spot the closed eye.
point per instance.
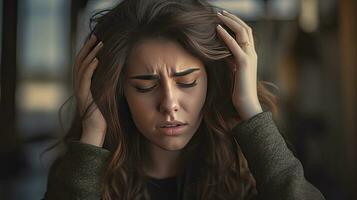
(183, 85)
(187, 85)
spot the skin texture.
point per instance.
(244, 63)
(94, 126)
(167, 101)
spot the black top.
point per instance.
(163, 189)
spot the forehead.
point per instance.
(156, 54)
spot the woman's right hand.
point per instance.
(93, 125)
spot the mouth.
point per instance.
(172, 126)
(172, 130)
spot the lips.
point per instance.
(171, 124)
(172, 128)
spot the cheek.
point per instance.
(195, 99)
(139, 105)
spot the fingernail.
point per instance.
(219, 13)
(100, 44)
(220, 27)
(225, 12)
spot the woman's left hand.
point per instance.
(243, 64)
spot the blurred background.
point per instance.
(308, 48)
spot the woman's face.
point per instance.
(167, 71)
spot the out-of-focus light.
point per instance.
(309, 19)
(43, 34)
(247, 9)
(38, 96)
(283, 9)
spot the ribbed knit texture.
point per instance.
(279, 175)
(77, 174)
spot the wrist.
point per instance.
(249, 109)
(93, 138)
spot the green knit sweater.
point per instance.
(278, 173)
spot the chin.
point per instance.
(173, 145)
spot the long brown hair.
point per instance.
(193, 25)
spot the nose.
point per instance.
(169, 103)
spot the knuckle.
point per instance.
(245, 33)
(250, 30)
(240, 30)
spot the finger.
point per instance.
(88, 45)
(86, 79)
(242, 23)
(230, 42)
(240, 32)
(90, 58)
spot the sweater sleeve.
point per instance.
(77, 174)
(278, 173)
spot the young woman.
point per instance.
(169, 107)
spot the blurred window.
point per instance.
(43, 63)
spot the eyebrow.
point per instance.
(156, 77)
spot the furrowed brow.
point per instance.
(156, 77)
(186, 72)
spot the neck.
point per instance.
(163, 163)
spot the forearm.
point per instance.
(278, 173)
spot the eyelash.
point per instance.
(183, 85)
